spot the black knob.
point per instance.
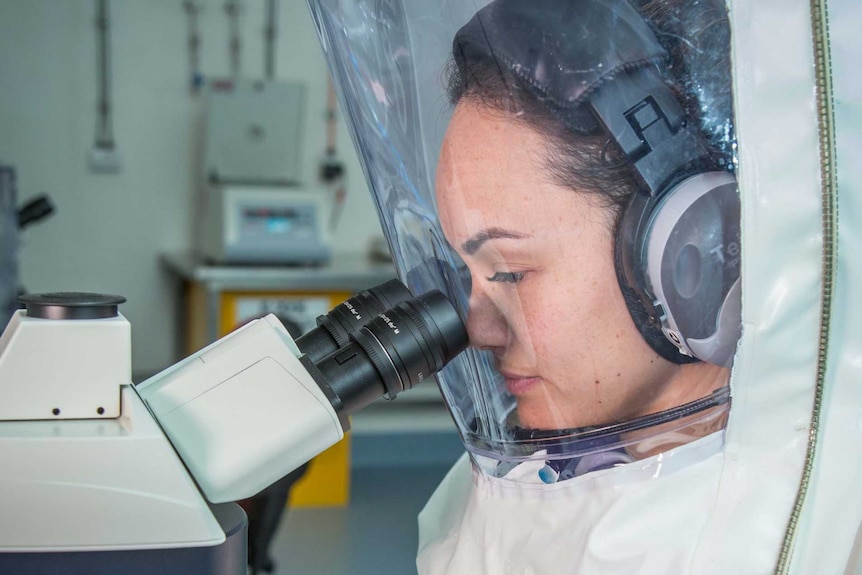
(72, 305)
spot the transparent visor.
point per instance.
(563, 171)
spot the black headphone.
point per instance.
(677, 244)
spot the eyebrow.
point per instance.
(472, 245)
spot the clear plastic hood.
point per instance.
(564, 172)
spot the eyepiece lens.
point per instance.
(415, 340)
(396, 350)
(335, 328)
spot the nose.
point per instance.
(486, 324)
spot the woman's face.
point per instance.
(545, 299)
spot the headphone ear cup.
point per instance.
(628, 247)
(677, 263)
(691, 265)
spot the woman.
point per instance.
(594, 399)
(531, 192)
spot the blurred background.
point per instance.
(190, 156)
(111, 227)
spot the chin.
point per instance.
(537, 417)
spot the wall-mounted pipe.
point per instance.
(104, 157)
(270, 32)
(332, 168)
(104, 118)
(193, 12)
(233, 9)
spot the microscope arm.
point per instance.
(252, 407)
(243, 412)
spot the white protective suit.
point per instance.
(777, 489)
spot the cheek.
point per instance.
(578, 284)
(556, 323)
(575, 318)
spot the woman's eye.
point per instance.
(507, 277)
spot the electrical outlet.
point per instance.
(105, 161)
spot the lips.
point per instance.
(519, 384)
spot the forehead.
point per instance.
(486, 147)
(492, 172)
(486, 161)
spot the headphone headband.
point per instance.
(508, 32)
(640, 112)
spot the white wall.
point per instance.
(109, 230)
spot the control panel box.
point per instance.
(266, 225)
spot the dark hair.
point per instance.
(697, 39)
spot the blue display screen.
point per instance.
(277, 221)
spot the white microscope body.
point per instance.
(86, 470)
(100, 476)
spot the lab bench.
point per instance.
(207, 287)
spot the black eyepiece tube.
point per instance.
(395, 351)
(335, 328)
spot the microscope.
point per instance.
(102, 476)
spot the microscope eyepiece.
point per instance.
(334, 329)
(413, 340)
(395, 351)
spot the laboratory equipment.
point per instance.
(13, 219)
(254, 207)
(254, 132)
(102, 477)
(8, 244)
